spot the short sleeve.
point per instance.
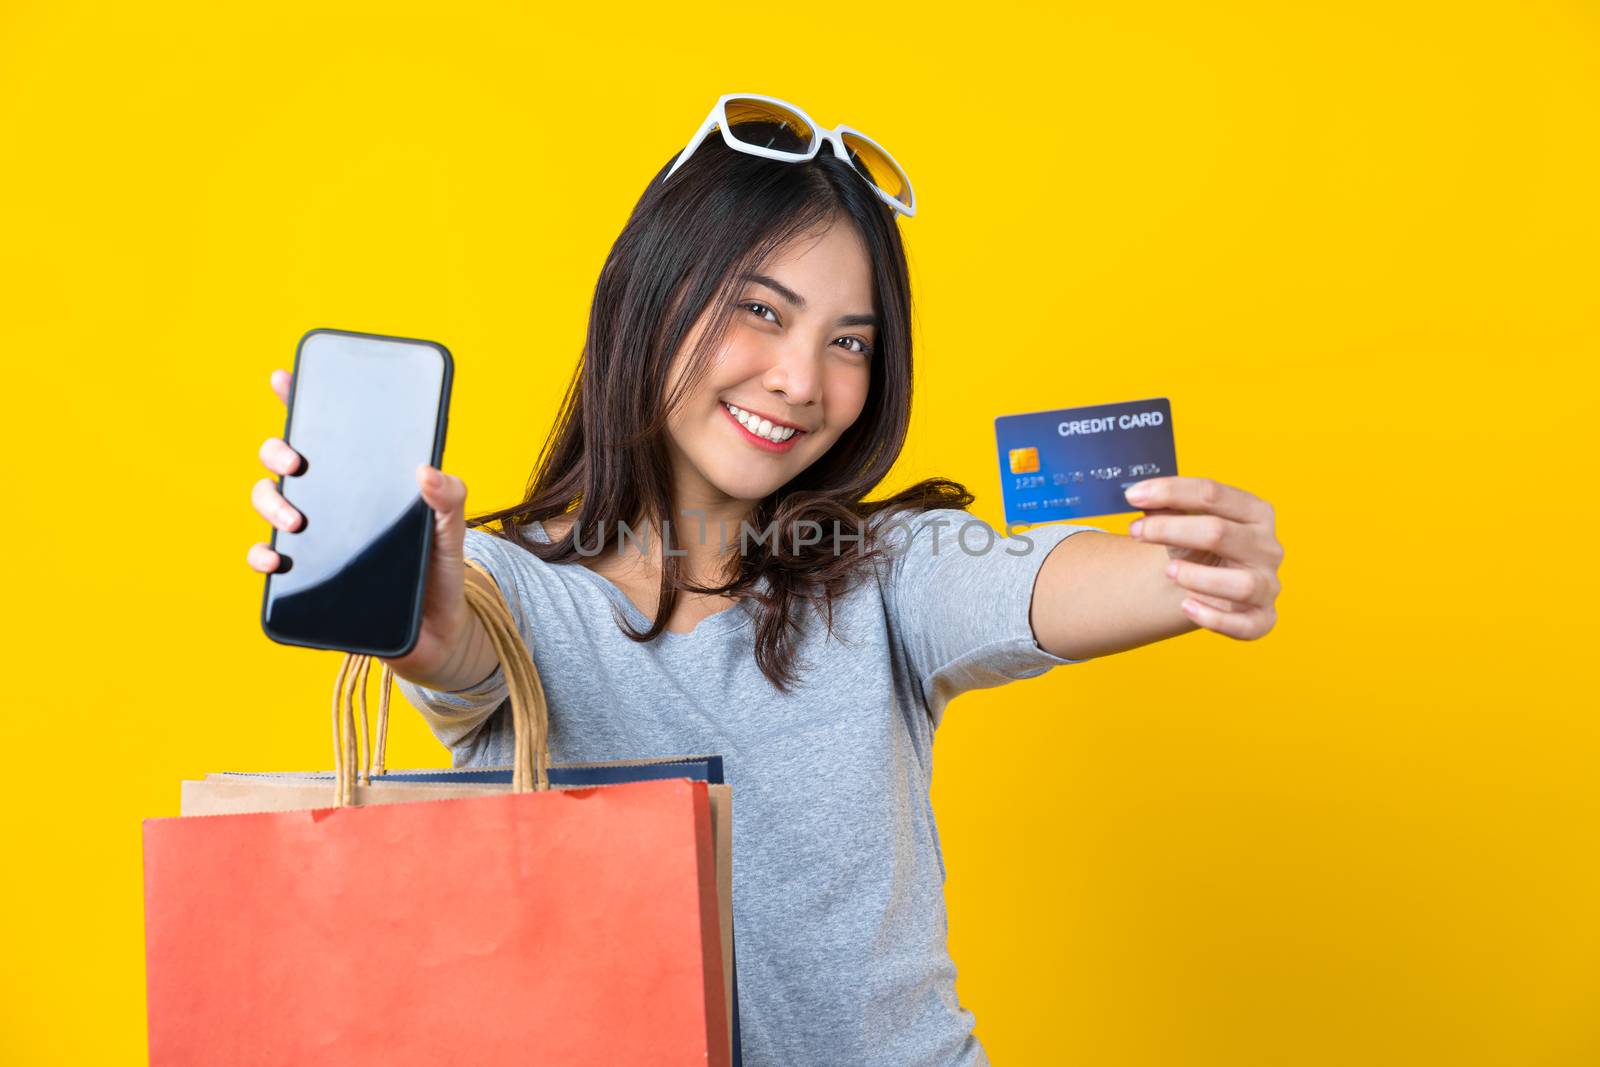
(959, 594)
(455, 718)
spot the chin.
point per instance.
(744, 485)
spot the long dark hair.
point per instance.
(682, 251)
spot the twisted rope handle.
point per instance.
(530, 714)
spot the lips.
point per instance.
(763, 425)
(756, 439)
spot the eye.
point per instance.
(863, 349)
(763, 307)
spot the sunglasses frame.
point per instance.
(718, 120)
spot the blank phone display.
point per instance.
(364, 413)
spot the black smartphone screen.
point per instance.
(364, 411)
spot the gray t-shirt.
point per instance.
(838, 877)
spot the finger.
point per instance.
(1270, 549)
(1238, 584)
(262, 558)
(1219, 603)
(280, 384)
(1244, 625)
(1204, 495)
(270, 505)
(1208, 533)
(278, 457)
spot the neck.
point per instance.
(705, 537)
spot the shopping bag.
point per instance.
(561, 915)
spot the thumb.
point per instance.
(447, 496)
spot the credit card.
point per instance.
(1076, 462)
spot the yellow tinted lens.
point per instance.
(878, 168)
(756, 122)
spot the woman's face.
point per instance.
(791, 376)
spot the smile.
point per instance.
(762, 432)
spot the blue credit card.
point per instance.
(1076, 462)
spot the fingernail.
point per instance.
(1137, 494)
(1133, 531)
(1172, 569)
(1191, 606)
(431, 478)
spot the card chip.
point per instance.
(1024, 460)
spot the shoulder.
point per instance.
(506, 555)
(897, 526)
(907, 533)
(517, 539)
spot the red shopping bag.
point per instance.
(550, 926)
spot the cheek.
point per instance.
(847, 395)
(742, 357)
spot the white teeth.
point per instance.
(761, 427)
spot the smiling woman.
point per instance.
(748, 368)
(744, 298)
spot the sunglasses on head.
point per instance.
(754, 124)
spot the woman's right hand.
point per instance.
(451, 641)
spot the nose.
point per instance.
(795, 374)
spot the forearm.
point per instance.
(1101, 593)
(469, 663)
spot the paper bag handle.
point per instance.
(530, 714)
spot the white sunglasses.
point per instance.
(864, 155)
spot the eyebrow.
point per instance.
(800, 302)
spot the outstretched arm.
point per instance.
(1205, 555)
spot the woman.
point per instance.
(745, 383)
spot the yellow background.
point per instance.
(1355, 244)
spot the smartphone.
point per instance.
(365, 410)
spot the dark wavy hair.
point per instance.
(682, 251)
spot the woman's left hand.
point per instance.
(1222, 547)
